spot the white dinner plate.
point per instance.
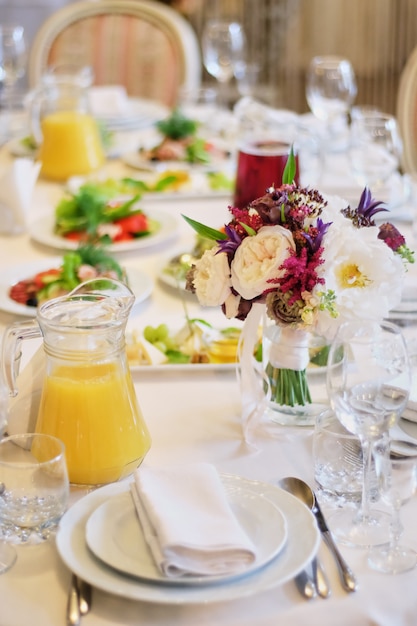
(140, 283)
(302, 545)
(114, 535)
(42, 231)
(140, 113)
(139, 162)
(185, 368)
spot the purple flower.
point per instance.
(366, 210)
(231, 244)
(315, 239)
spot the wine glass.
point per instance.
(398, 483)
(223, 46)
(375, 149)
(368, 382)
(12, 64)
(330, 91)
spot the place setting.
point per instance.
(230, 537)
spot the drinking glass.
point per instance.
(330, 91)
(398, 483)
(34, 488)
(375, 149)
(368, 382)
(223, 46)
(7, 552)
(12, 63)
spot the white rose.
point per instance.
(212, 278)
(258, 258)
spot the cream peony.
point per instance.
(366, 275)
(212, 278)
(258, 258)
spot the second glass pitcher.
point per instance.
(88, 398)
(67, 134)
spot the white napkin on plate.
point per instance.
(17, 182)
(188, 522)
(108, 100)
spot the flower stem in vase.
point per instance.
(288, 387)
(286, 357)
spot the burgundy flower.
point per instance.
(391, 235)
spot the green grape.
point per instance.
(150, 334)
(170, 343)
(162, 331)
(160, 345)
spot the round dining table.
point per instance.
(194, 414)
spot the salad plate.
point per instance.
(139, 282)
(301, 546)
(42, 231)
(114, 535)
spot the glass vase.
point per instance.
(294, 374)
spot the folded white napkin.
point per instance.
(188, 522)
(16, 187)
(108, 100)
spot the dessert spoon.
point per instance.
(303, 492)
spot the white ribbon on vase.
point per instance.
(250, 377)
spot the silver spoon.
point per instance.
(303, 492)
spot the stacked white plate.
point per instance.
(100, 539)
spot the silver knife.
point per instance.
(84, 596)
(73, 606)
(305, 585)
(347, 577)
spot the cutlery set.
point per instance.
(317, 584)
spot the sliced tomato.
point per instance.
(133, 224)
(44, 278)
(75, 235)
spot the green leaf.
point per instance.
(177, 126)
(205, 231)
(290, 169)
(251, 232)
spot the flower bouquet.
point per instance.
(312, 262)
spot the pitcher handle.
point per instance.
(11, 350)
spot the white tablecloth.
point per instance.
(196, 417)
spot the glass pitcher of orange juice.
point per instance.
(68, 136)
(88, 398)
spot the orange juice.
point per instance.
(70, 146)
(92, 408)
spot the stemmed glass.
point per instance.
(398, 483)
(223, 46)
(12, 61)
(368, 382)
(375, 149)
(330, 91)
